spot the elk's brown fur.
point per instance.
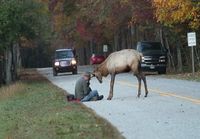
(121, 61)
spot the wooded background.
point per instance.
(31, 30)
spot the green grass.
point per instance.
(35, 109)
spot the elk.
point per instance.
(118, 62)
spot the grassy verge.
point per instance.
(35, 109)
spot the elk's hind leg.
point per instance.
(139, 84)
(145, 84)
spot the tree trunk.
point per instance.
(91, 46)
(170, 58)
(14, 62)
(123, 39)
(129, 38)
(197, 56)
(8, 65)
(161, 37)
(1, 70)
(179, 58)
(164, 41)
(136, 34)
(18, 60)
(116, 40)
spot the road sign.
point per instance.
(105, 48)
(191, 36)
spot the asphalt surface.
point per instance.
(171, 110)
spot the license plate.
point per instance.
(63, 63)
(152, 67)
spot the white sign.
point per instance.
(105, 48)
(191, 36)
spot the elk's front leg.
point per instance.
(111, 86)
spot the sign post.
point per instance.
(191, 36)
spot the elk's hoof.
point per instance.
(109, 98)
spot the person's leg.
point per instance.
(92, 94)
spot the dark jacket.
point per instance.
(82, 88)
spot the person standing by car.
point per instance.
(83, 92)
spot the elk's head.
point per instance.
(97, 74)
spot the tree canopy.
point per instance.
(172, 12)
(95, 22)
(21, 19)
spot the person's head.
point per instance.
(87, 76)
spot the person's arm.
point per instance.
(85, 88)
(88, 84)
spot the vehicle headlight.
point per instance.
(162, 59)
(142, 59)
(56, 63)
(73, 62)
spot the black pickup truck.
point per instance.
(154, 56)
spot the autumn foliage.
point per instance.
(93, 19)
(178, 11)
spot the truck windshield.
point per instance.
(149, 47)
(64, 54)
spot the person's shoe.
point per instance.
(100, 97)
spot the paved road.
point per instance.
(171, 111)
